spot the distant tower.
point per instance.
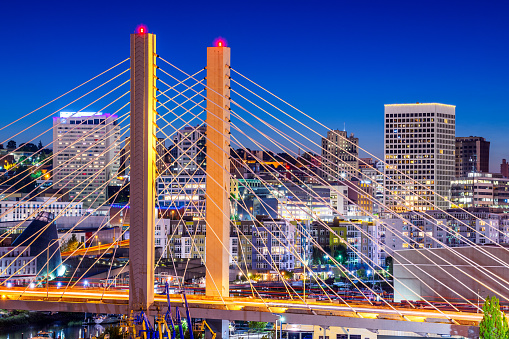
(191, 150)
(472, 155)
(340, 156)
(504, 168)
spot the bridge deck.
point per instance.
(250, 309)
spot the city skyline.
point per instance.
(301, 225)
(367, 57)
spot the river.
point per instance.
(60, 331)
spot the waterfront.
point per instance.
(60, 330)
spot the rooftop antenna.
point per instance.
(344, 126)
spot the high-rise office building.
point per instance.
(472, 156)
(340, 156)
(419, 142)
(85, 145)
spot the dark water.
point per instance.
(64, 332)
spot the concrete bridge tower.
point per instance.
(143, 153)
(218, 177)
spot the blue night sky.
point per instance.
(339, 61)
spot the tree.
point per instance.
(361, 273)
(341, 253)
(114, 332)
(23, 182)
(389, 264)
(28, 147)
(319, 257)
(257, 326)
(36, 175)
(70, 245)
(494, 322)
(39, 146)
(11, 144)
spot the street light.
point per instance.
(281, 319)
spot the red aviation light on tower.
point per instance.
(220, 42)
(142, 29)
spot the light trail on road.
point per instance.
(234, 303)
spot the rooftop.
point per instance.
(421, 103)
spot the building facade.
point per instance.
(186, 239)
(274, 241)
(438, 229)
(419, 144)
(17, 265)
(13, 210)
(340, 156)
(184, 192)
(188, 149)
(504, 168)
(487, 190)
(84, 147)
(162, 155)
(472, 156)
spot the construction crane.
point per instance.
(202, 329)
(164, 325)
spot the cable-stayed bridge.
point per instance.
(214, 117)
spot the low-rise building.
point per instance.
(274, 241)
(490, 190)
(184, 192)
(18, 209)
(16, 270)
(185, 239)
(437, 229)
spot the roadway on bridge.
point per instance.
(273, 306)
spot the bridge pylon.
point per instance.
(218, 179)
(218, 171)
(143, 158)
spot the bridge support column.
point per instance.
(220, 327)
(142, 185)
(218, 171)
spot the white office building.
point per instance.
(18, 210)
(84, 145)
(419, 143)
